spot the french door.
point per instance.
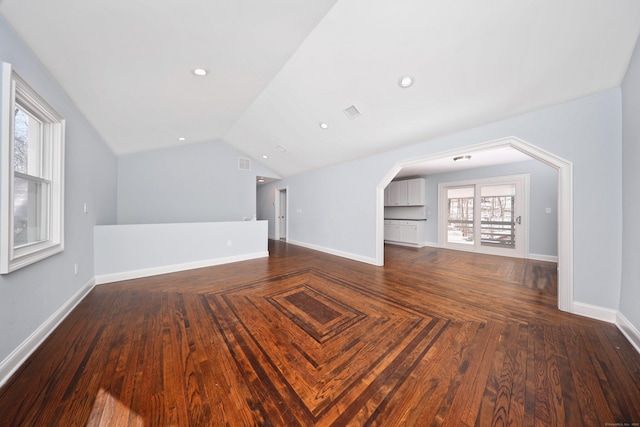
(486, 216)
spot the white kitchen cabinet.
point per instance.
(409, 192)
(397, 191)
(410, 232)
(390, 231)
(415, 192)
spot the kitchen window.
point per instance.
(31, 181)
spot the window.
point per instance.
(32, 170)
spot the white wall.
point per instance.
(138, 250)
(630, 292)
(336, 207)
(543, 238)
(187, 183)
(31, 295)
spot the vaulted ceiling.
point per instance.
(279, 68)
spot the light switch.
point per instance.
(547, 210)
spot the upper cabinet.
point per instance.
(409, 192)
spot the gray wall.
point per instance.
(335, 207)
(187, 183)
(630, 292)
(29, 296)
(543, 238)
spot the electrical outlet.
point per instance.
(229, 242)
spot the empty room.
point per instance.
(327, 213)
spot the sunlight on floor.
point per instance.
(109, 411)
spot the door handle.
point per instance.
(519, 220)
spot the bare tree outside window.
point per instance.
(21, 142)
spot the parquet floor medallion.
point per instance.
(311, 357)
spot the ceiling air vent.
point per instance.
(244, 164)
(352, 112)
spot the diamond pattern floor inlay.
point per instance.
(319, 315)
(298, 329)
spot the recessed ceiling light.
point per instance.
(323, 125)
(182, 139)
(200, 72)
(261, 179)
(264, 156)
(462, 158)
(405, 81)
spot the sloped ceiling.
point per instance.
(280, 68)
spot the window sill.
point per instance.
(35, 255)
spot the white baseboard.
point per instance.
(18, 356)
(594, 312)
(628, 330)
(154, 271)
(610, 316)
(537, 257)
(336, 252)
(409, 245)
(540, 257)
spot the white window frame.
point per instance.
(15, 89)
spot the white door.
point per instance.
(281, 214)
(487, 217)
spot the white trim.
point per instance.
(278, 232)
(540, 257)
(536, 257)
(628, 330)
(409, 245)
(565, 205)
(594, 312)
(16, 90)
(154, 271)
(21, 353)
(6, 173)
(608, 315)
(343, 254)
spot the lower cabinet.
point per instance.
(404, 231)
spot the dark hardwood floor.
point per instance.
(435, 337)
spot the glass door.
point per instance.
(498, 219)
(485, 216)
(460, 221)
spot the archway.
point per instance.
(565, 205)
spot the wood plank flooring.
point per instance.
(435, 337)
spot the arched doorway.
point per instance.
(565, 205)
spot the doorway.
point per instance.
(486, 216)
(281, 213)
(565, 205)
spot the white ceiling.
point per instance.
(281, 67)
(477, 159)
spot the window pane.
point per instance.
(460, 222)
(28, 143)
(29, 212)
(498, 227)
